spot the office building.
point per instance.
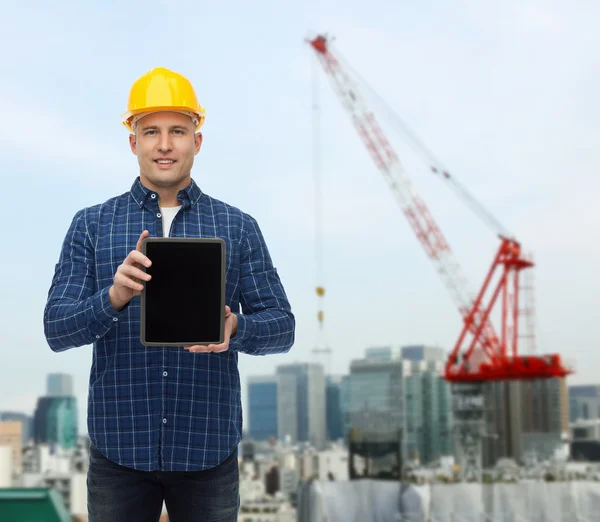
(385, 393)
(383, 353)
(59, 385)
(262, 407)
(25, 420)
(584, 402)
(428, 404)
(421, 352)
(376, 392)
(301, 403)
(333, 399)
(55, 421)
(415, 353)
(11, 434)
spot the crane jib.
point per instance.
(480, 353)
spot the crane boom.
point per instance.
(479, 353)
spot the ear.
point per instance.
(198, 142)
(133, 143)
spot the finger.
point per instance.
(143, 235)
(198, 348)
(137, 257)
(211, 348)
(123, 280)
(133, 271)
(227, 311)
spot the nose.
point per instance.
(164, 144)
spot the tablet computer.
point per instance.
(184, 302)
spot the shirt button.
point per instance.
(164, 421)
(159, 215)
(97, 337)
(165, 374)
(153, 196)
(115, 319)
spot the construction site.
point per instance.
(498, 378)
(425, 178)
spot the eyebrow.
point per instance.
(155, 127)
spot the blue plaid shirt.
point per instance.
(153, 408)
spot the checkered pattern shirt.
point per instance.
(163, 408)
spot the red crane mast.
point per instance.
(479, 353)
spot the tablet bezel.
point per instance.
(221, 339)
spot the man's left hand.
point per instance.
(230, 327)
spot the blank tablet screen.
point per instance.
(183, 303)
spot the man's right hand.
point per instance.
(126, 282)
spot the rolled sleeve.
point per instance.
(76, 314)
(267, 324)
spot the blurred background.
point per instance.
(491, 109)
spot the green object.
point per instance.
(32, 505)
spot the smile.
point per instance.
(164, 163)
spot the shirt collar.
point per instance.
(189, 196)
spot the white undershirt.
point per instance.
(168, 213)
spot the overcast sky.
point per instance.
(504, 93)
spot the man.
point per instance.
(164, 423)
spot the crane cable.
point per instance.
(320, 288)
(429, 158)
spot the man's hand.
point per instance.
(126, 283)
(230, 328)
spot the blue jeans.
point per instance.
(120, 494)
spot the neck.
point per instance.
(167, 195)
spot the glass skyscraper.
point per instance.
(301, 404)
(59, 385)
(55, 421)
(333, 397)
(262, 407)
(401, 388)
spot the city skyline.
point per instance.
(504, 94)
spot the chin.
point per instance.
(166, 179)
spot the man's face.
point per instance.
(165, 145)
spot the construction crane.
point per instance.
(480, 354)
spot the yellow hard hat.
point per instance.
(161, 89)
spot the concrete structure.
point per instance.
(545, 406)
(333, 464)
(11, 434)
(374, 501)
(6, 466)
(585, 440)
(301, 403)
(523, 410)
(24, 419)
(586, 430)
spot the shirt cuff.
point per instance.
(243, 334)
(102, 316)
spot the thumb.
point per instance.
(227, 311)
(143, 236)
